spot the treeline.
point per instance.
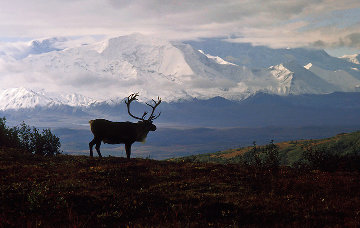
(29, 139)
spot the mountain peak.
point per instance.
(217, 59)
(352, 58)
(21, 98)
(76, 100)
(46, 45)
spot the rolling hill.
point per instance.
(290, 152)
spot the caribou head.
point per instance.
(124, 132)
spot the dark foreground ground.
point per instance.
(76, 191)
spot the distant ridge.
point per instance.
(258, 110)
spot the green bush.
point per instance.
(331, 159)
(265, 157)
(252, 157)
(29, 139)
(8, 136)
(351, 162)
(271, 158)
(321, 158)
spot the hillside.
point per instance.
(77, 191)
(290, 151)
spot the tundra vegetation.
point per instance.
(341, 152)
(79, 191)
(29, 140)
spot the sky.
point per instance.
(332, 25)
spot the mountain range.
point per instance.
(56, 71)
(63, 83)
(238, 92)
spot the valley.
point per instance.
(168, 143)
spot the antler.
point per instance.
(156, 103)
(131, 98)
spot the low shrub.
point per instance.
(29, 139)
(330, 159)
(265, 157)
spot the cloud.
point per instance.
(352, 40)
(274, 22)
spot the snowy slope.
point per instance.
(115, 68)
(284, 76)
(75, 100)
(264, 57)
(352, 58)
(22, 98)
(293, 78)
(340, 79)
(59, 71)
(306, 82)
(217, 59)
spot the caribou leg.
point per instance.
(91, 144)
(97, 147)
(128, 150)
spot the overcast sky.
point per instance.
(330, 24)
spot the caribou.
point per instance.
(123, 132)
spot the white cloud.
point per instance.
(272, 22)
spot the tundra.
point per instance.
(123, 132)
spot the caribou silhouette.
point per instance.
(123, 132)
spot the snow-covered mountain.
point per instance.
(352, 58)
(245, 54)
(58, 71)
(75, 100)
(22, 98)
(217, 59)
